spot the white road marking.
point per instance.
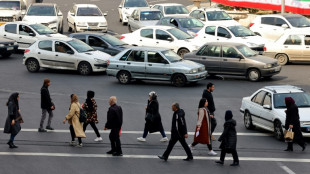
(288, 170)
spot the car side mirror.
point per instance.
(70, 52)
(228, 36)
(240, 56)
(203, 19)
(104, 45)
(23, 13)
(284, 26)
(105, 14)
(72, 14)
(267, 107)
(32, 34)
(120, 7)
(59, 14)
(169, 39)
(164, 61)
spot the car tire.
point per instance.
(278, 131)
(129, 29)
(6, 54)
(32, 65)
(182, 51)
(254, 75)
(247, 120)
(282, 59)
(124, 77)
(75, 30)
(85, 68)
(62, 28)
(179, 80)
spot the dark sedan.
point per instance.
(234, 59)
(102, 42)
(7, 47)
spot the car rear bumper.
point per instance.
(196, 77)
(100, 67)
(259, 49)
(11, 48)
(112, 72)
(270, 71)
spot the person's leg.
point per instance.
(235, 156)
(85, 126)
(50, 117)
(43, 118)
(223, 154)
(162, 132)
(72, 133)
(117, 141)
(209, 147)
(194, 144)
(186, 148)
(93, 125)
(80, 140)
(12, 137)
(146, 131)
(170, 147)
(213, 124)
(290, 146)
(111, 137)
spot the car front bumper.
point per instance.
(196, 77)
(99, 67)
(270, 71)
(92, 28)
(10, 48)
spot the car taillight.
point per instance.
(122, 37)
(251, 24)
(108, 63)
(26, 50)
(265, 49)
(196, 35)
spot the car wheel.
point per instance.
(183, 51)
(254, 75)
(32, 65)
(124, 77)
(282, 59)
(75, 30)
(129, 29)
(84, 68)
(62, 28)
(247, 118)
(179, 80)
(278, 131)
(6, 54)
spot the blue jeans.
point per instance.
(12, 137)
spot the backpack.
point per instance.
(82, 117)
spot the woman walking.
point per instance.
(12, 124)
(153, 120)
(90, 107)
(292, 122)
(76, 128)
(228, 139)
(203, 127)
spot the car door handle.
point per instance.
(203, 58)
(285, 46)
(307, 47)
(128, 63)
(157, 42)
(39, 52)
(150, 64)
(20, 37)
(141, 40)
(4, 35)
(217, 39)
(56, 55)
(225, 60)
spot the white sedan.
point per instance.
(212, 16)
(126, 8)
(164, 37)
(65, 54)
(172, 9)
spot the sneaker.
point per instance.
(72, 143)
(213, 138)
(79, 145)
(98, 139)
(42, 130)
(191, 147)
(212, 153)
(164, 139)
(141, 139)
(49, 128)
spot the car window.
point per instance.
(246, 51)
(174, 23)
(176, 10)
(61, 47)
(10, 28)
(165, 21)
(307, 40)
(112, 40)
(194, 14)
(150, 15)
(258, 98)
(42, 29)
(230, 52)
(135, 3)
(9, 5)
(293, 40)
(136, 56)
(80, 46)
(155, 57)
(222, 32)
(46, 45)
(134, 13)
(88, 11)
(210, 30)
(95, 42)
(162, 35)
(124, 57)
(280, 22)
(172, 56)
(241, 31)
(218, 15)
(80, 37)
(25, 30)
(299, 21)
(190, 23)
(202, 16)
(179, 34)
(302, 99)
(41, 11)
(148, 33)
(268, 20)
(211, 50)
(267, 100)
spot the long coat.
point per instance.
(155, 125)
(73, 119)
(229, 136)
(13, 114)
(203, 123)
(292, 118)
(178, 127)
(91, 115)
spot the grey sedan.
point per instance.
(146, 63)
(234, 59)
(143, 17)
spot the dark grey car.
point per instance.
(234, 59)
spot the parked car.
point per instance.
(64, 54)
(234, 59)
(143, 17)
(86, 17)
(126, 8)
(231, 33)
(290, 47)
(102, 42)
(26, 33)
(274, 25)
(47, 14)
(266, 108)
(172, 9)
(12, 10)
(213, 16)
(146, 63)
(162, 36)
(187, 24)
(7, 47)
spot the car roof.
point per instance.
(147, 9)
(284, 89)
(43, 4)
(90, 33)
(225, 43)
(170, 4)
(64, 39)
(210, 9)
(149, 48)
(85, 5)
(284, 15)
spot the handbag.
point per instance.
(289, 135)
(149, 117)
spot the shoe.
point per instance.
(141, 139)
(235, 164)
(117, 154)
(110, 152)
(304, 147)
(213, 138)
(289, 150)
(212, 153)
(219, 162)
(42, 130)
(188, 159)
(162, 157)
(79, 145)
(72, 143)
(98, 139)
(13, 146)
(10, 143)
(164, 139)
(49, 128)
(191, 147)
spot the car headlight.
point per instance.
(193, 71)
(99, 60)
(268, 65)
(103, 23)
(252, 44)
(82, 23)
(1, 45)
(203, 68)
(191, 33)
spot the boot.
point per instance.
(13, 145)
(10, 143)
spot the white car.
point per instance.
(164, 37)
(47, 14)
(265, 109)
(86, 17)
(12, 10)
(65, 54)
(126, 8)
(213, 16)
(172, 9)
(26, 33)
(231, 33)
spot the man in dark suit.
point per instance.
(178, 133)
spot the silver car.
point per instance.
(145, 63)
(142, 17)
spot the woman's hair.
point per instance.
(13, 98)
(202, 103)
(74, 98)
(46, 81)
(89, 102)
(153, 95)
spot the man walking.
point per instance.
(207, 94)
(114, 122)
(47, 106)
(178, 133)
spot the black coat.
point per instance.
(208, 95)
(178, 128)
(292, 118)
(153, 109)
(13, 114)
(114, 117)
(229, 136)
(46, 101)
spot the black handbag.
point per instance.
(149, 117)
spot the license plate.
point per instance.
(10, 48)
(92, 27)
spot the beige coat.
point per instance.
(73, 119)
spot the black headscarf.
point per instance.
(289, 101)
(89, 102)
(13, 98)
(202, 103)
(228, 115)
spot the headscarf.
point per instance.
(228, 115)
(89, 102)
(13, 98)
(153, 95)
(289, 101)
(202, 103)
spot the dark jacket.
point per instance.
(208, 95)
(153, 109)
(46, 101)
(292, 118)
(229, 136)
(13, 114)
(114, 117)
(178, 128)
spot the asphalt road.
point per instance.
(49, 152)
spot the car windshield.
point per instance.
(9, 5)
(218, 16)
(135, 3)
(41, 11)
(171, 56)
(190, 23)
(299, 21)
(246, 51)
(150, 15)
(180, 35)
(113, 40)
(88, 11)
(302, 99)
(241, 31)
(176, 10)
(80, 46)
(42, 29)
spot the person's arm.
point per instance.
(225, 131)
(109, 119)
(200, 117)
(46, 97)
(72, 112)
(183, 125)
